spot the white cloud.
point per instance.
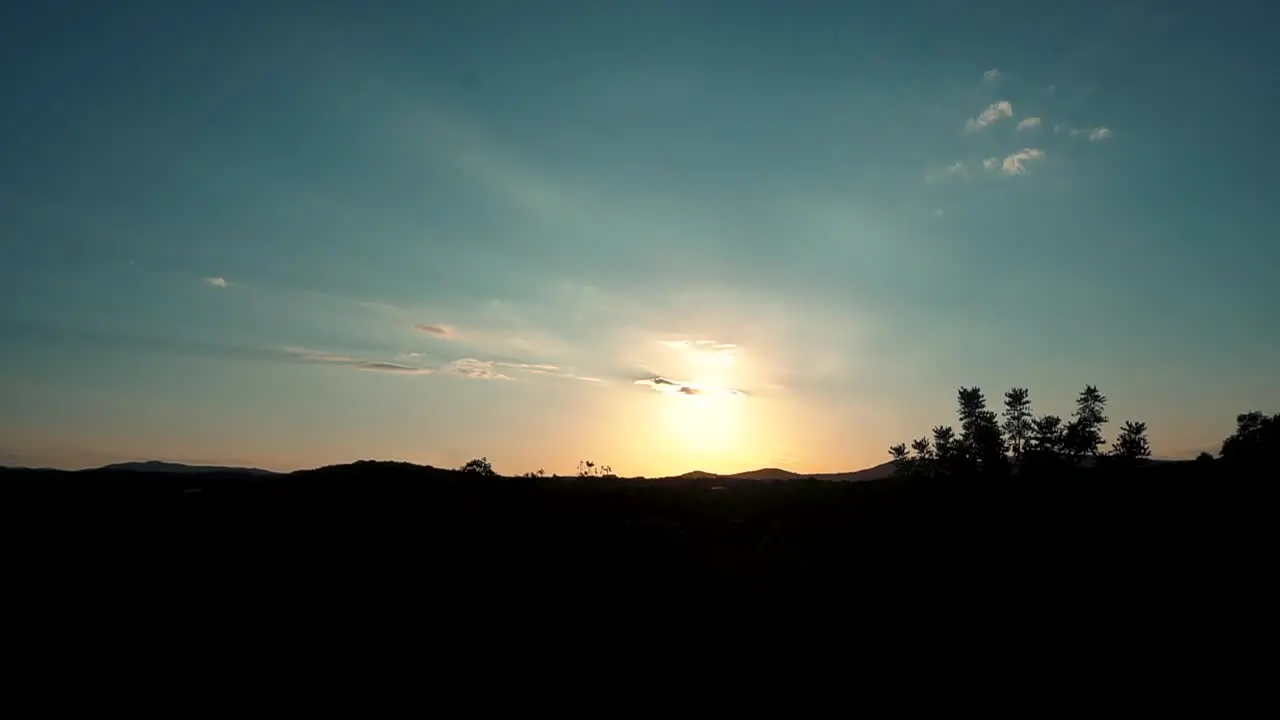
(991, 163)
(1016, 163)
(219, 282)
(993, 113)
(954, 171)
(1030, 123)
(991, 77)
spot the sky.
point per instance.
(658, 235)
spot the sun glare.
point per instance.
(707, 422)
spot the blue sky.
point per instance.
(290, 234)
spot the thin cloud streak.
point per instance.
(324, 358)
(474, 368)
(444, 331)
(1030, 123)
(215, 281)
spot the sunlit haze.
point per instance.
(662, 236)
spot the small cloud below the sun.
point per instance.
(215, 281)
(679, 387)
(991, 77)
(1030, 123)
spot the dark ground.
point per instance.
(414, 528)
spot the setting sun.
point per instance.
(706, 423)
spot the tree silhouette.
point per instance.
(1084, 432)
(944, 446)
(1046, 444)
(1131, 444)
(980, 438)
(1257, 438)
(1043, 443)
(922, 449)
(1017, 420)
(901, 458)
(478, 466)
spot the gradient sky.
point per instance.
(296, 233)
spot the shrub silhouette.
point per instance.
(478, 466)
(588, 469)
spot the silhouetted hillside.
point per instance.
(170, 467)
(371, 517)
(876, 472)
(940, 525)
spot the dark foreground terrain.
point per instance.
(1201, 526)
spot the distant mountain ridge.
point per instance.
(159, 466)
(872, 473)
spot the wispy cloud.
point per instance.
(533, 367)
(993, 113)
(215, 281)
(478, 369)
(547, 370)
(991, 77)
(691, 389)
(553, 371)
(353, 363)
(705, 350)
(1016, 163)
(1094, 134)
(444, 331)
(468, 367)
(954, 171)
(1030, 123)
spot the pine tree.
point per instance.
(1017, 420)
(1131, 444)
(901, 458)
(980, 439)
(1084, 432)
